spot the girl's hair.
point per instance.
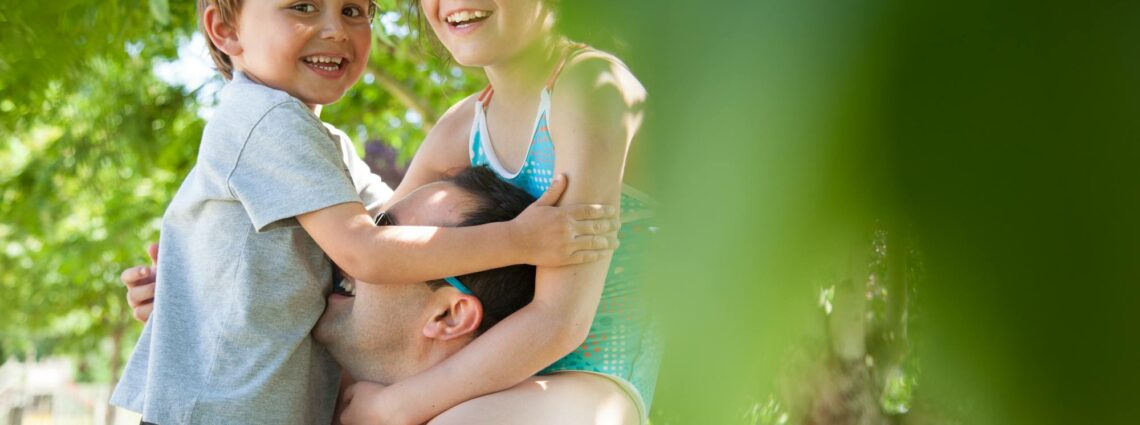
(228, 11)
(425, 34)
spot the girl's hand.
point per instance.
(554, 236)
(366, 403)
(139, 281)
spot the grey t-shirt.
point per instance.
(240, 283)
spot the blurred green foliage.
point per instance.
(1000, 137)
(93, 145)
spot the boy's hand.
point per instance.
(139, 281)
(546, 235)
(366, 404)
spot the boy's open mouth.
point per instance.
(464, 18)
(325, 63)
(346, 287)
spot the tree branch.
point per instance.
(405, 95)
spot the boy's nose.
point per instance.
(332, 28)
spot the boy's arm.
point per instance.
(594, 143)
(404, 254)
(541, 235)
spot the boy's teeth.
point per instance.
(323, 59)
(327, 63)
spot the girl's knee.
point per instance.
(564, 398)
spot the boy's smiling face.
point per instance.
(312, 49)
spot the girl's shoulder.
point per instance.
(457, 118)
(593, 77)
(596, 101)
(455, 124)
(445, 145)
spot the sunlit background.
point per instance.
(875, 212)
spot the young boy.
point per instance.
(244, 271)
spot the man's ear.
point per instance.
(222, 34)
(460, 317)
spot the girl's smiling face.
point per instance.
(486, 32)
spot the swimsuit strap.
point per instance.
(485, 96)
(569, 51)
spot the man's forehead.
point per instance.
(434, 204)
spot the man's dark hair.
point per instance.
(504, 290)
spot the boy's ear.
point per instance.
(222, 34)
(459, 316)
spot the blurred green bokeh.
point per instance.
(999, 137)
(875, 212)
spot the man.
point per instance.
(385, 333)
(390, 332)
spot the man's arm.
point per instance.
(140, 281)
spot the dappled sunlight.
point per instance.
(617, 76)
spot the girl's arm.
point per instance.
(591, 143)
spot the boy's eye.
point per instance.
(353, 12)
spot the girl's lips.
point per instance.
(466, 28)
(470, 23)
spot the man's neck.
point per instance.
(391, 370)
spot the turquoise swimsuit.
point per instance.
(623, 342)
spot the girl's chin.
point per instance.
(468, 58)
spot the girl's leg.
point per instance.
(570, 398)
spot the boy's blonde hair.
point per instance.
(228, 13)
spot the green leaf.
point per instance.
(160, 10)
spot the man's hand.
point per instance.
(366, 404)
(140, 285)
(554, 236)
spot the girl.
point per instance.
(552, 107)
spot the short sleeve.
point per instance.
(288, 166)
(372, 189)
